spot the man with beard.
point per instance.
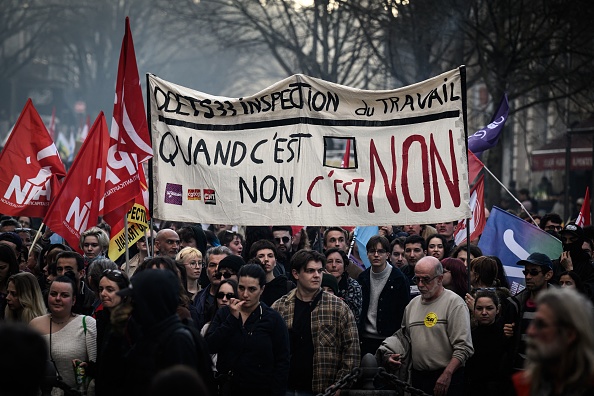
(560, 347)
(521, 307)
(574, 258)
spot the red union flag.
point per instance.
(79, 202)
(29, 167)
(584, 216)
(477, 202)
(129, 138)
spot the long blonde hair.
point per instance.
(29, 294)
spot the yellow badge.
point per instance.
(430, 319)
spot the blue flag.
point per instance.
(489, 136)
(362, 235)
(513, 239)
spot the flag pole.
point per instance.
(509, 192)
(37, 236)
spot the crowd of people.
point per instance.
(286, 310)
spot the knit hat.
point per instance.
(328, 280)
(232, 262)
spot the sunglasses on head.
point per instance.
(229, 296)
(532, 272)
(112, 272)
(284, 239)
(225, 275)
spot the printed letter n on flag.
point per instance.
(79, 202)
(130, 146)
(30, 167)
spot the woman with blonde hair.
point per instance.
(191, 258)
(24, 301)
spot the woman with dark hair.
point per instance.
(462, 252)
(94, 274)
(437, 246)
(226, 290)
(251, 340)
(110, 283)
(8, 267)
(486, 372)
(348, 288)
(70, 337)
(484, 275)
(455, 277)
(232, 240)
(501, 275)
(571, 279)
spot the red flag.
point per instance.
(79, 202)
(478, 221)
(129, 146)
(30, 167)
(52, 128)
(584, 218)
(475, 166)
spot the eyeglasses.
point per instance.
(378, 251)
(425, 279)
(221, 295)
(195, 264)
(225, 275)
(532, 272)
(284, 239)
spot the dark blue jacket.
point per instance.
(392, 301)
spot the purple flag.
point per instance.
(489, 136)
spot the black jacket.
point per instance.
(393, 299)
(256, 353)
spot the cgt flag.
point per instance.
(513, 239)
(476, 179)
(30, 167)
(488, 137)
(79, 202)
(130, 145)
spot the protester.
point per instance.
(69, 336)
(455, 277)
(276, 286)
(225, 291)
(24, 300)
(538, 272)
(397, 258)
(415, 248)
(94, 242)
(437, 246)
(191, 259)
(167, 243)
(232, 240)
(251, 340)
(571, 280)
(162, 340)
(322, 329)
(386, 292)
(205, 299)
(491, 348)
(438, 325)
(74, 262)
(8, 267)
(560, 346)
(111, 282)
(347, 288)
(337, 237)
(466, 253)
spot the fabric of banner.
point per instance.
(272, 158)
(30, 167)
(513, 239)
(78, 204)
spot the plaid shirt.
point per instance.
(334, 334)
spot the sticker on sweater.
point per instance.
(430, 319)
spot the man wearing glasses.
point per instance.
(386, 293)
(438, 324)
(522, 307)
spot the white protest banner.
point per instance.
(275, 157)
